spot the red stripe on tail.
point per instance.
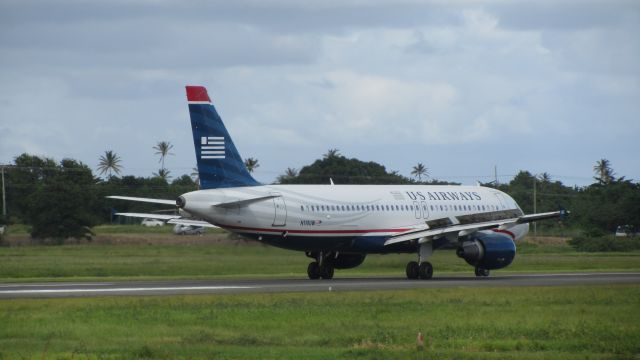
(197, 93)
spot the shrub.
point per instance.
(605, 243)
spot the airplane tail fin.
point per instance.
(219, 163)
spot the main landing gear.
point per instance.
(480, 272)
(421, 269)
(321, 268)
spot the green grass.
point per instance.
(132, 261)
(595, 322)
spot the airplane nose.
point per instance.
(181, 202)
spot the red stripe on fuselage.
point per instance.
(233, 227)
(513, 236)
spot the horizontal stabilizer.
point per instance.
(191, 223)
(170, 219)
(147, 200)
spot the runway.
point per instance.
(184, 287)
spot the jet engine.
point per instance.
(487, 251)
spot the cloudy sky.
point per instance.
(461, 86)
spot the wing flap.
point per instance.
(542, 216)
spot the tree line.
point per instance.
(65, 199)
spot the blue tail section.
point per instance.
(219, 163)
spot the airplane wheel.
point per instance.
(480, 272)
(412, 270)
(313, 271)
(426, 270)
(326, 271)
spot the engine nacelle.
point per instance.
(348, 261)
(488, 251)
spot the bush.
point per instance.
(605, 243)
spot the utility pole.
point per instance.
(535, 201)
(495, 174)
(4, 199)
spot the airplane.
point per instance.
(339, 225)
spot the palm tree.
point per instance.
(109, 162)
(331, 153)
(251, 164)
(163, 174)
(604, 172)
(420, 170)
(289, 174)
(162, 148)
(544, 177)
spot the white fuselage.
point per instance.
(306, 217)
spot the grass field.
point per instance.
(193, 260)
(595, 322)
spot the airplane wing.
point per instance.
(468, 228)
(147, 200)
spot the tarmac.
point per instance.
(185, 287)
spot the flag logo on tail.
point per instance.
(212, 147)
